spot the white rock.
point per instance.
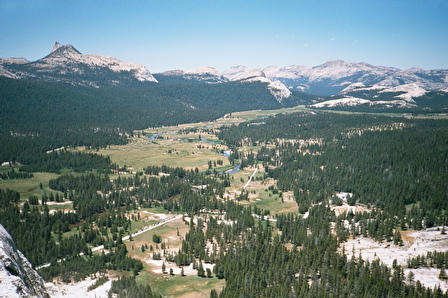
(204, 70)
(342, 102)
(17, 276)
(243, 74)
(410, 91)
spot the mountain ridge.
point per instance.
(333, 79)
(65, 63)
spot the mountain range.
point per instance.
(66, 64)
(334, 83)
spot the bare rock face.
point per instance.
(66, 64)
(17, 276)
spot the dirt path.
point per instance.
(250, 178)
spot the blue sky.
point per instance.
(184, 34)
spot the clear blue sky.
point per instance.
(185, 34)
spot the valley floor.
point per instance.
(182, 146)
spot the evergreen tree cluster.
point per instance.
(385, 162)
(127, 287)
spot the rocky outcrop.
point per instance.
(17, 276)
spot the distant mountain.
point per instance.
(67, 64)
(341, 83)
(240, 74)
(335, 77)
(405, 96)
(243, 74)
(203, 75)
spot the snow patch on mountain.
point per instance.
(354, 87)
(351, 101)
(342, 102)
(410, 91)
(394, 103)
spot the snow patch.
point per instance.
(410, 91)
(355, 101)
(342, 102)
(429, 277)
(421, 242)
(188, 270)
(78, 289)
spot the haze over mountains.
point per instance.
(349, 83)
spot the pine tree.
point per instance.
(213, 294)
(201, 272)
(410, 278)
(442, 274)
(397, 238)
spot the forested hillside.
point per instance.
(384, 161)
(40, 116)
(396, 168)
